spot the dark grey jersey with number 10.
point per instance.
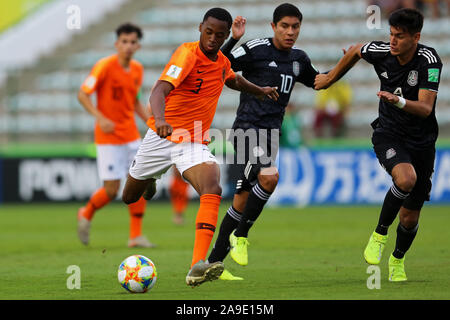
(263, 64)
(422, 72)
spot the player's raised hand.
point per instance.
(238, 27)
(321, 81)
(388, 97)
(269, 92)
(163, 129)
(344, 51)
(106, 125)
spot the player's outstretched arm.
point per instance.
(350, 58)
(237, 30)
(239, 83)
(105, 124)
(158, 103)
(422, 107)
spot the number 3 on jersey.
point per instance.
(286, 83)
(198, 86)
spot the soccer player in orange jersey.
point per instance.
(116, 80)
(183, 103)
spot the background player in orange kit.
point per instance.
(183, 103)
(179, 196)
(116, 80)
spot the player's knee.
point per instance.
(406, 182)
(268, 179)
(129, 198)
(112, 189)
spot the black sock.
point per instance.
(405, 238)
(255, 204)
(222, 246)
(391, 205)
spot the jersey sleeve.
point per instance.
(430, 76)
(95, 77)
(374, 50)
(307, 73)
(240, 58)
(179, 66)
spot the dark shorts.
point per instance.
(391, 152)
(252, 154)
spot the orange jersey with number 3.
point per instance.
(117, 90)
(198, 83)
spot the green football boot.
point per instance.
(226, 275)
(238, 249)
(397, 269)
(375, 247)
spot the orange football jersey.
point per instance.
(117, 90)
(198, 83)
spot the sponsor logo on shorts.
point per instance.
(258, 151)
(390, 153)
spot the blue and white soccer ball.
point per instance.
(137, 274)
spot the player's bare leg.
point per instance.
(205, 179)
(134, 189)
(179, 196)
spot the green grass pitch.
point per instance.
(309, 253)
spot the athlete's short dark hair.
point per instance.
(286, 10)
(128, 28)
(410, 20)
(220, 14)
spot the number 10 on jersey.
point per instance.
(286, 83)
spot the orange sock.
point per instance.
(98, 200)
(205, 225)
(136, 210)
(179, 195)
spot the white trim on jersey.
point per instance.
(257, 42)
(379, 48)
(364, 48)
(428, 54)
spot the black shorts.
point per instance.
(254, 150)
(391, 152)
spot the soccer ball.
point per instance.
(137, 274)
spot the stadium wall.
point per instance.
(307, 177)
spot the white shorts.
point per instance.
(114, 160)
(156, 155)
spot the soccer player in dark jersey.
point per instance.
(272, 62)
(406, 130)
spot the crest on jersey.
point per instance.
(296, 68)
(413, 78)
